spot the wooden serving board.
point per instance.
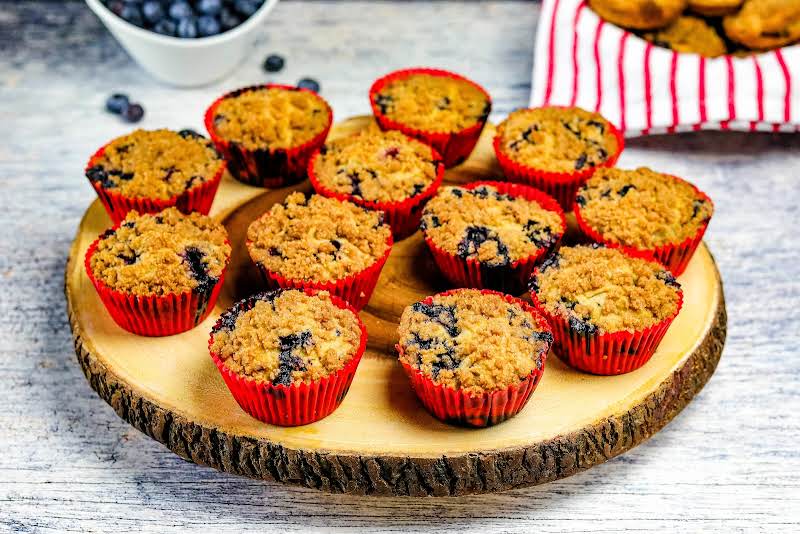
(381, 440)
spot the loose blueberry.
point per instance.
(153, 11)
(207, 26)
(246, 8)
(116, 7)
(309, 83)
(133, 113)
(273, 63)
(209, 7)
(165, 27)
(187, 28)
(117, 103)
(180, 10)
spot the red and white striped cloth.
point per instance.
(581, 60)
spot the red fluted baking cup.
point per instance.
(265, 167)
(356, 289)
(403, 216)
(459, 407)
(674, 256)
(295, 404)
(197, 198)
(454, 147)
(611, 353)
(152, 315)
(512, 278)
(563, 186)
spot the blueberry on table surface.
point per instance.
(153, 11)
(133, 113)
(209, 7)
(309, 83)
(208, 26)
(180, 10)
(165, 27)
(117, 103)
(187, 28)
(273, 63)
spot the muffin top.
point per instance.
(715, 8)
(433, 103)
(286, 337)
(642, 208)
(599, 290)
(690, 35)
(765, 24)
(376, 166)
(161, 254)
(157, 164)
(485, 225)
(271, 118)
(639, 14)
(473, 341)
(557, 139)
(318, 238)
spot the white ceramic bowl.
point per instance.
(184, 62)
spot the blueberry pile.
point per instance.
(186, 19)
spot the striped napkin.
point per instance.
(581, 60)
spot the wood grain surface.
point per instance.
(728, 463)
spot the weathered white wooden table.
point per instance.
(729, 462)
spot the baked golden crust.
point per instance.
(690, 35)
(557, 139)
(271, 118)
(485, 225)
(433, 103)
(162, 254)
(319, 239)
(158, 164)
(376, 166)
(765, 24)
(642, 208)
(639, 14)
(602, 290)
(472, 341)
(287, 337)
(715, 8)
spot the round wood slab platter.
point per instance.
(381, 441)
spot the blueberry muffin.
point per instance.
(433, 102)
(639, 14)
(490, 227)
(599, 290)
(765, 24)
(642, 209)
(557, 139)
(157, 164)
(380, 167)
(161, 254)
(691, 35)
(473, 341)
(271, 117)
(286, 337)
(715, 8)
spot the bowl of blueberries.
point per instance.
(184, 42)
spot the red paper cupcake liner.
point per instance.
(356, 289)
(403, 216)
(675, 257)
(458, 407)
(563, 186)
(198, 198)
(612, 353)
(271, 168)
(295, 404)
(454, 147)
(512, 278)
(152, 315)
